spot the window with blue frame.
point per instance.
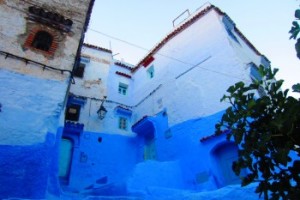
(124, 114)
(150, 72)
(79, 70)
(123, 89)
(256, 76)
(123, 123)
(232, 36)
(229, 26)
(254, 72)
(73, 108)
(72, 112)
(84, 59)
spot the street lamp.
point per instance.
(102, 111)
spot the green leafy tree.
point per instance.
(267, 132)
(295, 31)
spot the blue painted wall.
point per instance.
(29, 117)
(24, 170)
(102, 163)
(182, 161)
(106, 164)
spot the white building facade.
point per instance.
(158, 130)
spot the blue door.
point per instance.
(65, 158)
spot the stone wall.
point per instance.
(18, 26)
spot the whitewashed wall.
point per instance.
(94, 82)
(99, 80)
(192, 73)
(196, 93)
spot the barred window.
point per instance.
(42, 41)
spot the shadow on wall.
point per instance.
(223, 155)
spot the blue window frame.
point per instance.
(150, 72)
(123, 123)
(254, 72)
(123, 89)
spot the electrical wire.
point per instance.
(164, 55)
(142, 48)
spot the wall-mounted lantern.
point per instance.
(102, 111)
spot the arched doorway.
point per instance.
(65, 158)
(145, 129)
(223, 155)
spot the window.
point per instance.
(254, 72)
(231, 35)
(84, 59)
(261, 91)
(256, 76)
(72, 112)
(150, 72)
(123, 88)
(122, 123)
(42, 41)
(229, 26)
(79, 70)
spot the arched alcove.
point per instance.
(223, 155)
(145, 129)
(68, 145)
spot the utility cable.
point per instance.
(164, 55)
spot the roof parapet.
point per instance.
(97, 47)
(200, 12)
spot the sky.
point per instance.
(133, 27)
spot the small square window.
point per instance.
(150, 72)
(42, 41)
(123, 88)
(72, 112)
(123, 123)
(79, 70)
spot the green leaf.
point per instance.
(231, 89)
(282, 157)
(297, 13)
(296, 87)
(294, 30)
(240, 84)
(248, 179)
(251, 104)
(265, 130)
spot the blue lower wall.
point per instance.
(24, 170)
(102, 163)
(182, 160)
(106, 164)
